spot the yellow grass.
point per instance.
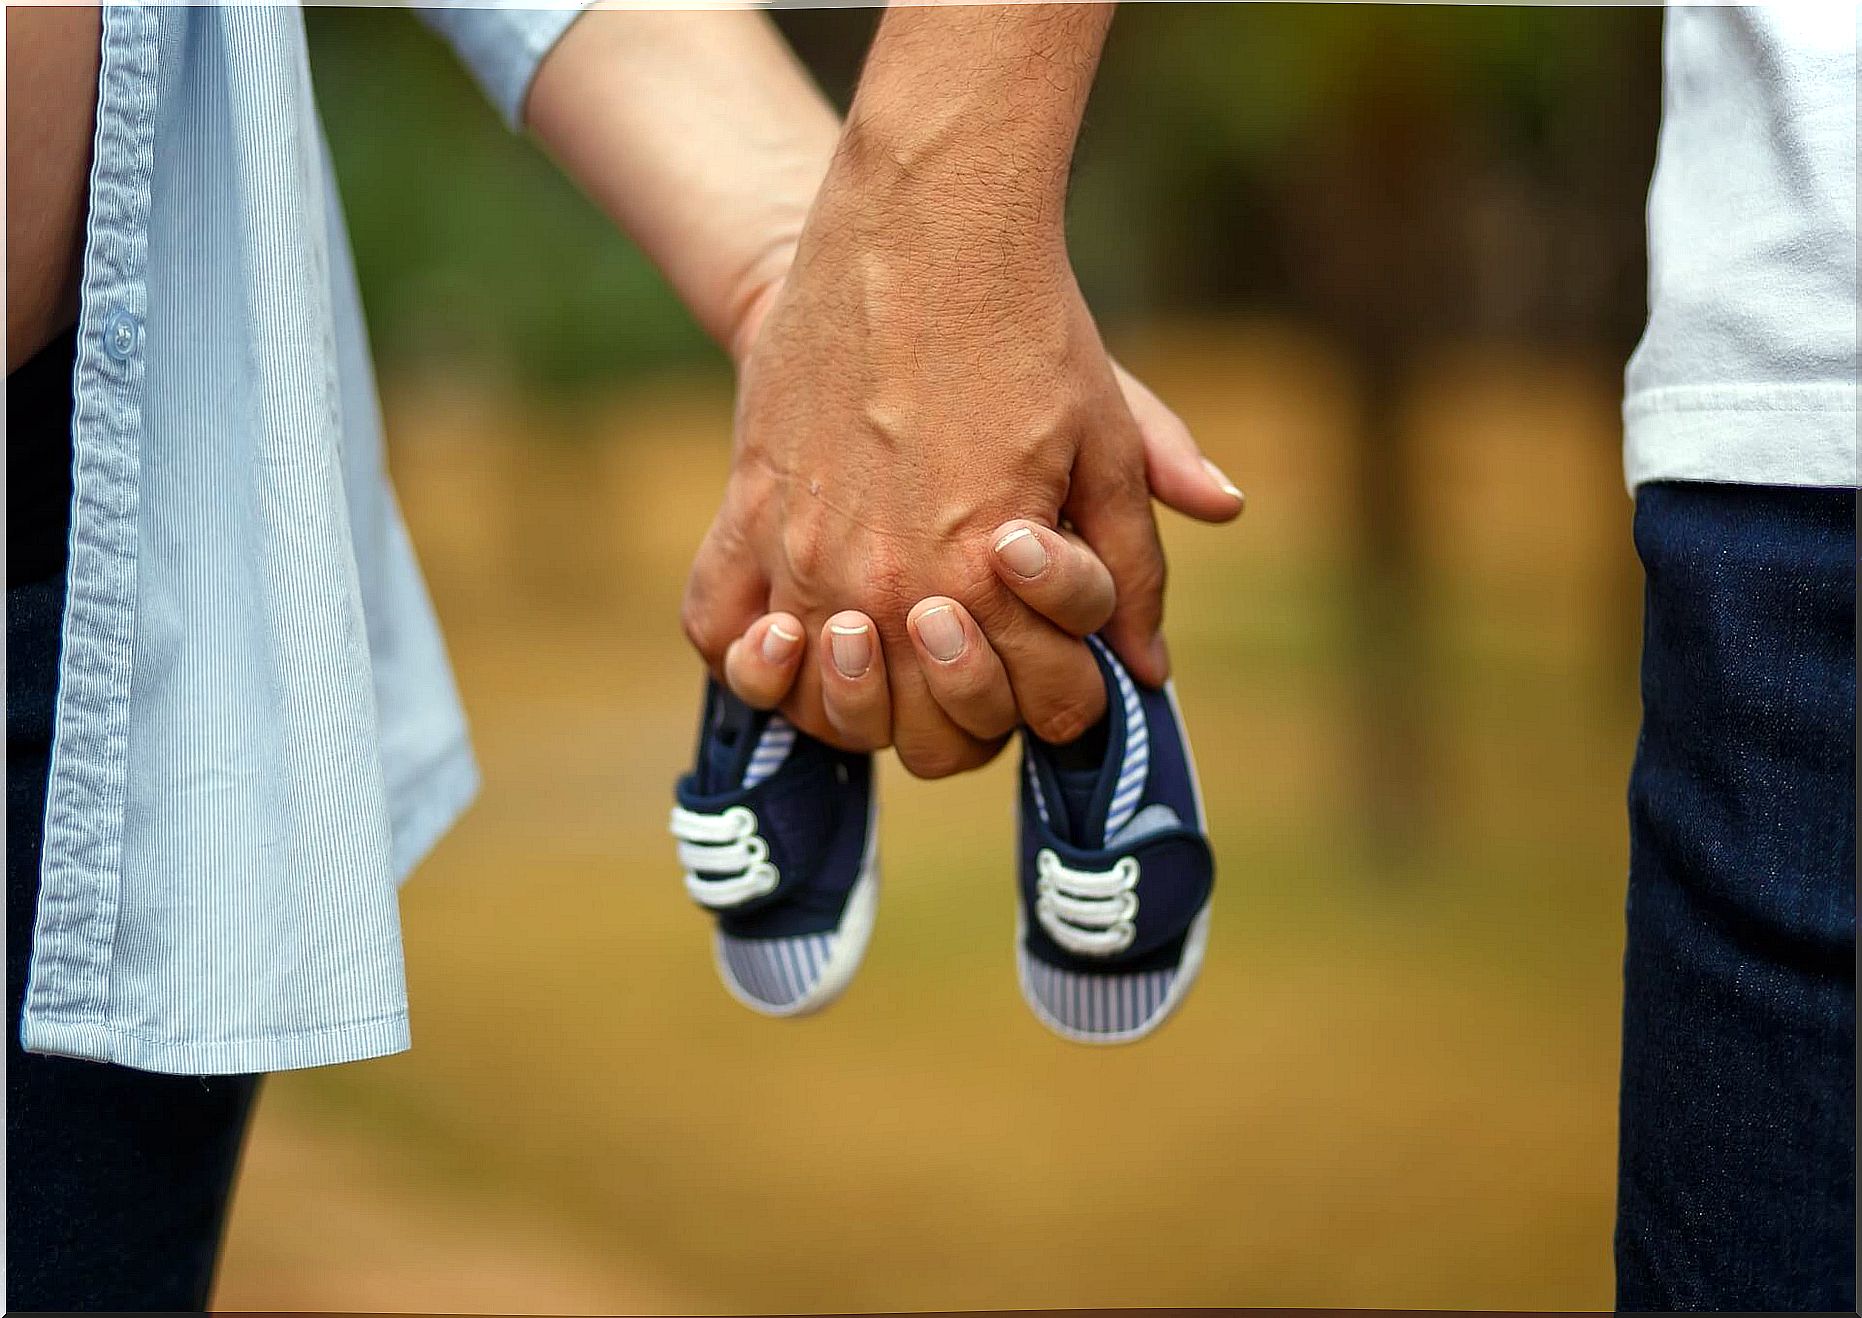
(1394, 1087)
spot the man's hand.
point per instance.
(1052, 572)
(884, 428)
(928, 372)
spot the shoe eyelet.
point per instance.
(1128, 908)
(767, 877)
(744, 818)
(756, 848)
(1127, 933)
(1128, 871)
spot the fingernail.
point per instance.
(853, 649)
(1022, 550)
(1220, 477)
(941, 633)
(778, 644)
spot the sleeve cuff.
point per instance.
(502, 42)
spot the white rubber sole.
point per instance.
(851, 937)
(1194, 944)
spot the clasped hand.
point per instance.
(940, 484)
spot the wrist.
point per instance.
(751, 297)
(917, 208)
(951, 164)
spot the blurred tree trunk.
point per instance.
(1382, 220)
(1365, 227)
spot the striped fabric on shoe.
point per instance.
(776, 833)
(777, 972)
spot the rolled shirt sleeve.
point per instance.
(502, 42)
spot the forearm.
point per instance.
(966, 116)
(701, 135)
(51, 99)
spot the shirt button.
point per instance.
(121, 333)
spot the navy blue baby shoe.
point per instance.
(777, 833)
(1115, 868)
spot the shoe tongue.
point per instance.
(730, 738)
(1078, 780)
(1076, 793)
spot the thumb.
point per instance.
(725, 593)
(1179, 475)
(1110, 509)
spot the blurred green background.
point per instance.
(1386, 261)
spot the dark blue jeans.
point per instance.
(117, 1181)
(1737, 1169)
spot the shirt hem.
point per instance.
(325, 1046)
(1673, 438)
(444, 789)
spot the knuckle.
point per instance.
(961, 682)
(887, 589)
(991, 723)
(804, 549)
(849, 734)
(701, 630)
(997, 611)
(918, 761)
(938, 759)
(1065, 719)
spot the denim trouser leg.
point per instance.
(117, 1181)
(1737, 1173)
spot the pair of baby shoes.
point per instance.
(777, 835)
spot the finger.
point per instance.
(1059, 578)
(929, 742)
(724, 594)
(759, 666)
(1058, 690)
(1110, 507)
(854, 692)
(965, 677)
(1179, 475)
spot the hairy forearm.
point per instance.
(51, 100)
(968, 115)
(701, 135)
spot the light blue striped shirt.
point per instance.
(257, 731)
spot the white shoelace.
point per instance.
(1087, 912)
(726, 860)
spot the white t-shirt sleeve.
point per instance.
(1747, 371)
